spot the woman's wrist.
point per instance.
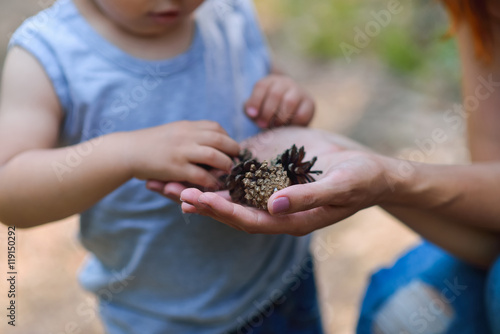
(416, 185)
(402, 182)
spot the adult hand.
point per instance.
(353, 179)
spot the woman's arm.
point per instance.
(468, 194)
(449, 205)
(455, 207)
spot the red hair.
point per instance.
(475, 13)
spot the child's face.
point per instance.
(148, 17)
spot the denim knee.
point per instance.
(426, 291)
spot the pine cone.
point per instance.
(252, 183)
(234, 181)
(260, 183)
(298, 171)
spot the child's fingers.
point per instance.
(254, 103)
(155, 185)
(210, 126)
(305, 112)
(271, 103)
(220, 142)
(210, 156)
(288, 107)
(198, 176)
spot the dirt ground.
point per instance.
(361, 100)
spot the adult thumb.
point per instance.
(300, 197)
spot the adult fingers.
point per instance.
(173, 190)
(190, 198)
(235, 215)
(257, 221)
(247, 219)
(254, 221)
(170, 190)
(188, 208)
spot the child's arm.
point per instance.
(278, 100)
(40, 183)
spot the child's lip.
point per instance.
(166, 16)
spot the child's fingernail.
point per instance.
(262, 124)
(281, 204)
(252, 112)
(154, 187)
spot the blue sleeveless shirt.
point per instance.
(154, 269)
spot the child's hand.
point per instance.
(277, 100)
(175, 151)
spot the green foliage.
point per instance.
(320, 26)
(399, 51)
(410, 44)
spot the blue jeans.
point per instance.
(493, 297)
(295, 312)
(430, 291)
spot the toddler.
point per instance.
(99, 97)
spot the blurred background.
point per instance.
(383, 78)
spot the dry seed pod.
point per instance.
(299, 172)
(252, 183)
(259, 184)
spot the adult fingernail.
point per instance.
(252, 112)
(203, 203)
(281, 205)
